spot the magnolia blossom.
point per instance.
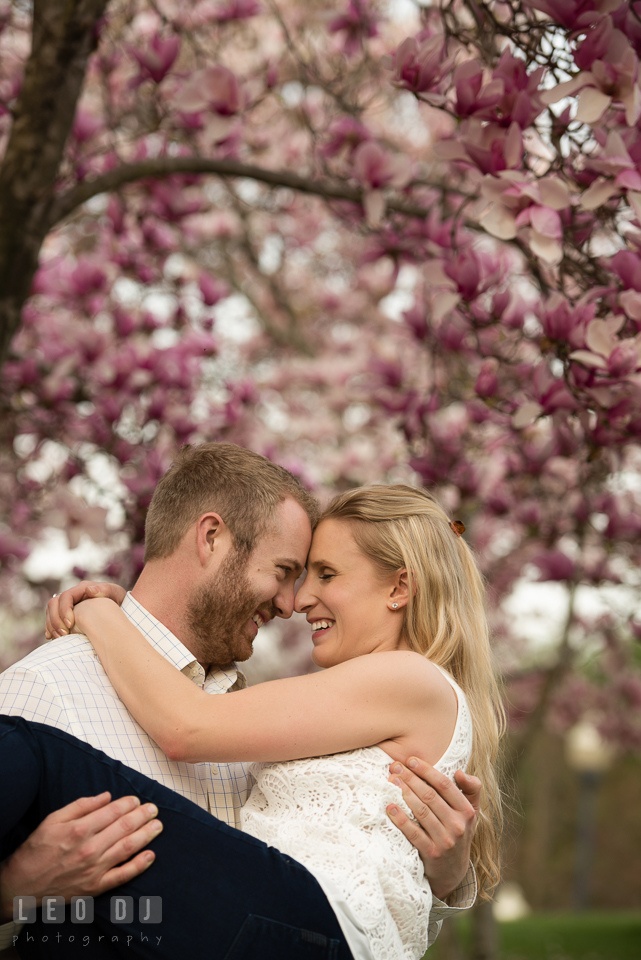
(420, 66)
(376, 168)
(613, 79)
(606, 351)
(157, 57)
(214, 89)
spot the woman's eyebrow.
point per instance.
(319, 563)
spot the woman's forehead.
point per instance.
(331, 537)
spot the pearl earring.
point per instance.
(395, 605)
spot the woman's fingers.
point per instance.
(60, 616)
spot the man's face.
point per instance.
(245, 592)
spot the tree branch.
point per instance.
(166, 166)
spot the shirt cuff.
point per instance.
(461, 899)
(7, 932)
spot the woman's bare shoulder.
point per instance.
(406, 670)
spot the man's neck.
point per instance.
(159, 598)
(162, 589)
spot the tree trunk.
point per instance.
(484, 933)
(65, 33)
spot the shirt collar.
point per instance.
(170, 647)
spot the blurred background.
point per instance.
(374, 241)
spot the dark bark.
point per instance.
(484, 932)
(64, 35)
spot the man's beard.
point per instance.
(217, 614)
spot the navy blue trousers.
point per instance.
(225, 895)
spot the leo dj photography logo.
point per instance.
(121, 910)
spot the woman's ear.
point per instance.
(399, 593)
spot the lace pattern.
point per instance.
(328, 813)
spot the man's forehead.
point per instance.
(290, 535)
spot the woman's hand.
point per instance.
(60, 609)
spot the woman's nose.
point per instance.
(303, 599)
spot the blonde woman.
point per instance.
(389, 574)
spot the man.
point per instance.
(212, 576)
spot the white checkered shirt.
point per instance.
(63, 684)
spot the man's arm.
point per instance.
(446, 815)
(79, 850)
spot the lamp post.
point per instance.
(590, 756)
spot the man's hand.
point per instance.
(60, 617)
(76, 851)
(446, 815)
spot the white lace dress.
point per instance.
(329, 814)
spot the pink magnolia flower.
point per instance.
(569, 13)
(171, 202)
(236, 10)
(344, 134)
(11, 546)
(473, 97)
(487, 383)
(614, 161)
(420, 67)
(595, 44)
(86, 278)
(215, 88)
(211, 289)
(376, 168)
(465, 271)
(612, 79)
(416, 320)
(564, 321)
(489, 146)
(554, 565)
(157, 59)
(627, 266)
(606, 352)
(358, 23)
(521, 102)
(517, 201)
(546, 233)
(85, 125)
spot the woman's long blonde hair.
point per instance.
(396, 527)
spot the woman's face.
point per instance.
(345, 599)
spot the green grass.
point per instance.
(597, 935)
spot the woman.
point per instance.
(389, 574)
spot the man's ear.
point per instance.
(399, 592)
(212, 533)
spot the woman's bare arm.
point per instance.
(355, 704)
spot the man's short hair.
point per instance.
(243, 487)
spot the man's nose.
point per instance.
(284, 603)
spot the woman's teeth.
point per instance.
(321, 624)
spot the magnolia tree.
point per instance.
(372, 241)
